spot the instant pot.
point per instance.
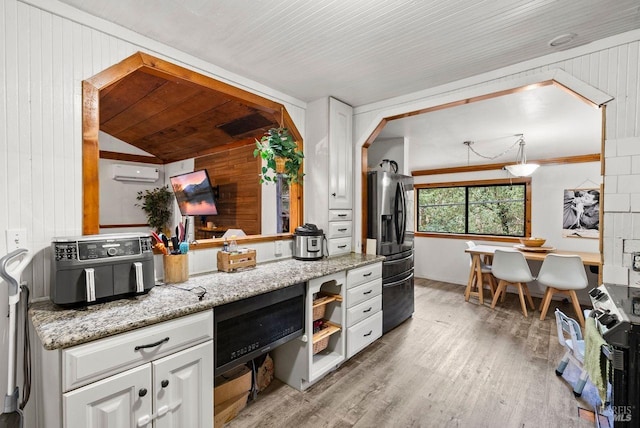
(308, 242)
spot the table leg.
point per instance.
(475, 259)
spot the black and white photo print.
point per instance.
(581, 216)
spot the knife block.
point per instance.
(176, 268)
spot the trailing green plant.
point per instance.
(278, 143)
(157, 204)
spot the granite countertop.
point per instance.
(58, 327)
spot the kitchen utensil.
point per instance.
(156, 237)
(186, 229)
(11, 416)
(182, 236)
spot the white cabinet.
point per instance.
(297, 363)
(364, 307)
(114, 402)
(329, 155)
(175, 391)
(340, 155)
(158, 376)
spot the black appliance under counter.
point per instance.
(58, 327)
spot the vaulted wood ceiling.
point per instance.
(174, 119)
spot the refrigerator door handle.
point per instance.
(400, 214)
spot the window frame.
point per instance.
(508, 181)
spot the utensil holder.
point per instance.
(176, 268)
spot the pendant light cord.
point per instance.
(520, 141)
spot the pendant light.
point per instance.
(521, 168)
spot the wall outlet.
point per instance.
(277, 250)
(16, 238)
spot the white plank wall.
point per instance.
(45, 59)
(612, 66)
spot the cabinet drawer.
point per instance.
(363, 274)
(337, 215)
(340, 229)
(364, 310)
(363, 334)
(357, 295)
(339, 246)
(92, 361)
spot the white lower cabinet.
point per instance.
(175, 391)
(160, 376)
(364, 307)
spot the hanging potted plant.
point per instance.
(280, 151)
(156, 203)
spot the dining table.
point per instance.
(484, 253)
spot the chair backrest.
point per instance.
(470, 244)
(568, 327)
(563, 272)
(511, 266)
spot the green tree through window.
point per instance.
(494, 209)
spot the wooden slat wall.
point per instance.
(236, 172)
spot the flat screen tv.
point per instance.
(194, 193)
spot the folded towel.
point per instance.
(595, 363)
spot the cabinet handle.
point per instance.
(367, 274)
(142, 392)
(367, 310)
(368, 334)
(342, 230)
(164, 383)
(342, 246)
(340, 215)
(333, 194)
(151, 345)
(367, 292)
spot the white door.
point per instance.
(119, 401)
(340, 155)
(183, 385)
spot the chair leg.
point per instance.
(546, 300)
(529, 299)
(576, 307)
(563, 364)
(522, 302)
(501, 286)
(577, 390)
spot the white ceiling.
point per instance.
(363, 51)
(554, 123)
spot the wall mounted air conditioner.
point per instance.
(143, 174)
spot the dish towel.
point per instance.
(595, 363)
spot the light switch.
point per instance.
(16, 238)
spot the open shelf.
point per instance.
(326, 332)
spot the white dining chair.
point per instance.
(486, 275)
(562, 274)
(511, 268)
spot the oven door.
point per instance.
(397, 300)
(248, 328)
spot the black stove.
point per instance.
(617, 314)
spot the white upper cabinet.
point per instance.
(340, 155)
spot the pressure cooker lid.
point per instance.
(308, 229)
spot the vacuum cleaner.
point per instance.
(11, 267)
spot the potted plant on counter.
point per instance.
(156, 203)
(280, 151)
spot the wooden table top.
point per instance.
(589, 259)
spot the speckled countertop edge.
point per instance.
(58, 327)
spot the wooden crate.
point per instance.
(228, 262)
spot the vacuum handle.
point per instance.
(12, 274)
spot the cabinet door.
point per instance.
(115, 402)
(340, 155)
(183, 385)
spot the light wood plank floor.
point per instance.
(454, 364)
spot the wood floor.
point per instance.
(454, 364)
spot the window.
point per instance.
(492, 207)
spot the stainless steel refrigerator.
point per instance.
(388, 218)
